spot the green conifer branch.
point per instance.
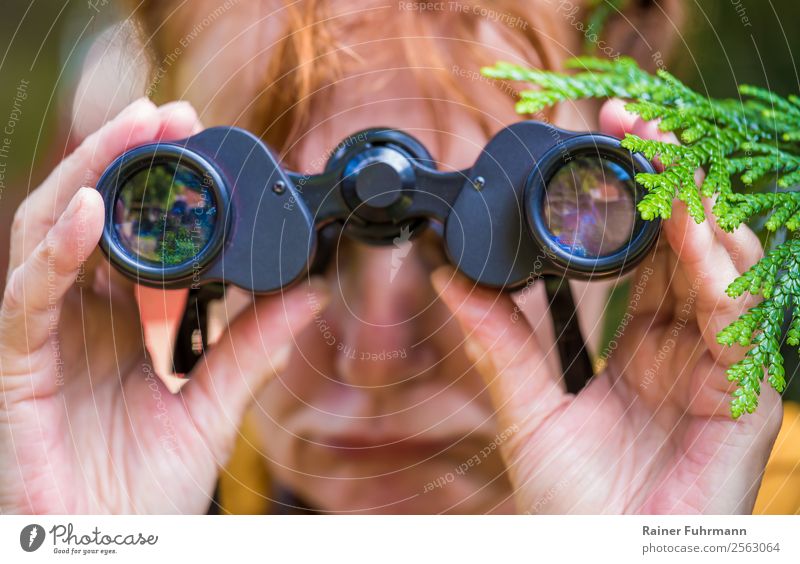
(754, 140)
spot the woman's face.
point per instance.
(379, 409)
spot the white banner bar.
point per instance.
(400, 539)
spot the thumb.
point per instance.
(35, 290)
(256, 346)
(504, 349)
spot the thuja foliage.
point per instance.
(754, 139)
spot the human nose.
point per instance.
(383, 340)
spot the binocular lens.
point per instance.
(165, 214)
(589, 207)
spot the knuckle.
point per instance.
(12, 296)
(83, 159)
(753, 244)
(20, 218)
(20, 225)
(97, 151)
(44, 254)
(83, 151)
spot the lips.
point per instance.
(353, 446)
(353, 424)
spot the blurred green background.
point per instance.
(724, 42)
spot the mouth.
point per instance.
(363, 447)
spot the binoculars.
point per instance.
(219, 207)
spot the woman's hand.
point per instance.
(653, 432)
(85, 425)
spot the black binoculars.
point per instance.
(219, 207)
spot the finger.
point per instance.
(615, 120)
(177, 119)
(500, 342)
(35, 290)
(705, 261)
(710, 258)
(709, 269)
(743, 246)
(255, 347)
(650, 130)
(139, 123)
(653, 275)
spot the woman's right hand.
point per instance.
(85, 425)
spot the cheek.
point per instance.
(307, 379)
(284, 409)
(306, 396)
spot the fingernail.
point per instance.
(475, 352)
(182, 104)
(143, 101)
(179, 109)
(136, 105)
(74, 205)
(280, 358)
(441, 277)
(478, 356)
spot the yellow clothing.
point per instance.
(244, 486)
(780, 488)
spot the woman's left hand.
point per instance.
(653, 432)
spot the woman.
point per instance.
(361, 394)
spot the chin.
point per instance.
(399, 487)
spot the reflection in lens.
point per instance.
(165, 215)
(589, 207)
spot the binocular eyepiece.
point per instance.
(219, 207)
